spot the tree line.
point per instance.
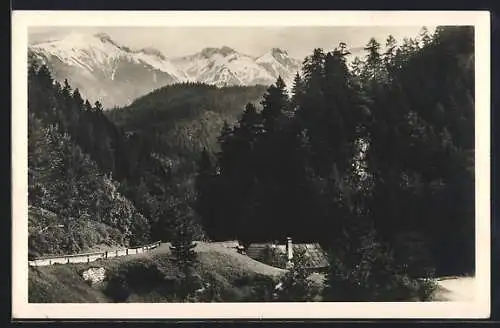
(102, 184)
(376, 155)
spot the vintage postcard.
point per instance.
(253, 165)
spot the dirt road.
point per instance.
(456, 289)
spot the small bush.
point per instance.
(262, 288)
(271, 256)
(256, 288)
(212, 291)
(426, 290)
(117, 288)
(370, 273)
(242, 281)
(296, 286)
(140, 277)
(188, 282)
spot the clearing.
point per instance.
(237, 276)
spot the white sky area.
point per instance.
(176, 41)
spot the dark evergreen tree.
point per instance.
(274, 105)
(206, 201)
(297, 91)
(409, 140)
(425, 37)
(390, 53)
(183, 251)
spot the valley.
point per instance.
(365, 164)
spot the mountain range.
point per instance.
(115, 74)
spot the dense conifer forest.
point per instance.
(384, 149)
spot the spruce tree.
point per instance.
(296, 285)
(183, 251)
(297, 92)
(274, 104)
(425, 37)
(390, 52)
(206, 192)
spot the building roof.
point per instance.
(228, 244)
(255, 250)
(314, 254)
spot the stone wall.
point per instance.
(94, 275)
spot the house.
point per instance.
(232, 244)
(280, 255)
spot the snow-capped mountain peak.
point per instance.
(152, 51)
(103, 69)
(115, 74)
(100, 52)
(80, 50)
(104, 37)
(279, 63)
(223, 51)
(277, 55)
(279, 52)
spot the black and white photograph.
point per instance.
(335, 162)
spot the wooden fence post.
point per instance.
(88, 258)
(126, 251)
(67, 260)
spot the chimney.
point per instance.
(289, 248)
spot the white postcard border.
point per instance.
(21, 20)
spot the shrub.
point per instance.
(426, 290)
(273, 257)
(117, 288)
(212, 291)
(262, 288)
(187, 283)
(296, 286)
(370, 273)
(139, 277)
(184, 255)
(256, 288)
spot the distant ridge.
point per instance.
(115, 74)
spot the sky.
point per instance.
(177, 41)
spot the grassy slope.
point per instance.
(63, 283)
(232, 272)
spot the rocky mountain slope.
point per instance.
(115, 74)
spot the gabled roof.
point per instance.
(314, 254)
(255, 250)
(227, 244)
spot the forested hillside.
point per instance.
(148, 159)
(182, 119)
(171, 126)
(74, 206)
(375, 161)
(90, 184)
